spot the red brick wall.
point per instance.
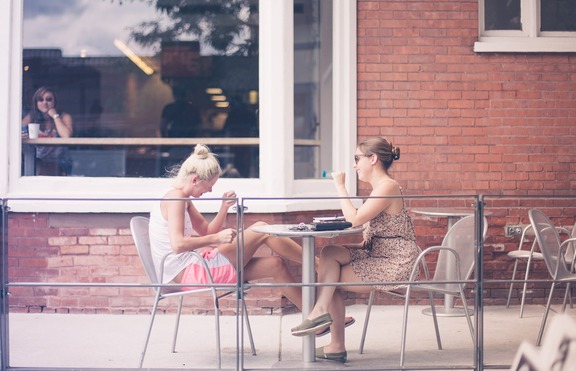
(467, 123)
(88, 249)
(495, 123)
(94, 249)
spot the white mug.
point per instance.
(33, 130)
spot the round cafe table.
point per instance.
(308, 274)
(453, 215)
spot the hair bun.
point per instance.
(395, 153)
(201, 151)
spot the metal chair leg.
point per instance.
(404, 326)
(525, 286)
(366, 319)
(567, 295)
(177, 326)
(467, 313)
(545, 316)
(150, 324)
(435, 320)
(217, 328)
(248, 327)
(512, 283)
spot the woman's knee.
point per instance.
(278, 265)
(259, 224)
(330, 251)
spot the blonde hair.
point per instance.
(202, 163)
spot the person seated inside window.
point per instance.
(54, 123)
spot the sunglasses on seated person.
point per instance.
(357, 157)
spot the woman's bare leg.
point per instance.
(332, 258)
(275, 267)
(282, 246)
(337, 334)
(335, 267)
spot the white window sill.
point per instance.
(525, 45)
(133, 195)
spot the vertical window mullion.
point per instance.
(529, 15)
(344, 89)
(277, 96)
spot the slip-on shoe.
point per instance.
(349, 322)
(338, 357)
(310, 326)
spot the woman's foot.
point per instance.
(348, 321)
(310, 326)
(338, 357)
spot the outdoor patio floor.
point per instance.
(80, 341)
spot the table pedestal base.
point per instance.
(319, 365)
(447, 312)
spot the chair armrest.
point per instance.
(523, 235)
(564, 251)
(421, 259)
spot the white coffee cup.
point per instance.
(33, 130)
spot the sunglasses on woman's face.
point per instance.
(357, 157)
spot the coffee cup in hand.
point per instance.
(33, 130)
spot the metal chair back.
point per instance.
(550, 244)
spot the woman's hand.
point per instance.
(339, 178)
(229, 203)
(226, 235)
(52, 112)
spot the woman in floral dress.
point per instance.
(387, 253)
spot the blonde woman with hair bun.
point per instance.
(177, 226)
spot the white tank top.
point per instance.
(160, 244)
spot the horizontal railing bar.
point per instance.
(147, 141)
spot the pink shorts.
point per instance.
(221, 269)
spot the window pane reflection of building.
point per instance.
(502, 15)
(558, 15)
(312, 87)
(100, 72)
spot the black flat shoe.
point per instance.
(310, 326)
(338, 357)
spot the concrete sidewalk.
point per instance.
(114, 341)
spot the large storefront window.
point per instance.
(136, 80)
(133, 85)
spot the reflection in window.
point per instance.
(312, 87)
(558, 15)
(502, 15)
(152, 69)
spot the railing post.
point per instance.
(479, 275)
(240, 208)
(4, 355)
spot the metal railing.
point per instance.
(502, 208)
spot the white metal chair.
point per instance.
(139, 229)
(532, 255)
(527, 256)
(554, 252)
(455, 262)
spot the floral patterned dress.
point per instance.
(390, 250)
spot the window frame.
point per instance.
(529, 39)
(276, 141)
